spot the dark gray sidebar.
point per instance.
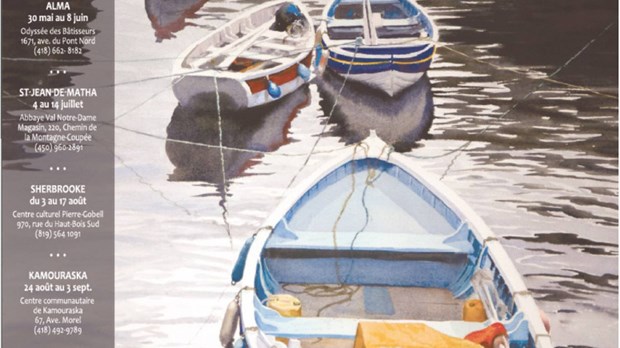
(57, 174)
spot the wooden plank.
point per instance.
(275, 46)
(242, 44)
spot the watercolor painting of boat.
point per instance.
(254, 59)
(372, 249)
(385, 44)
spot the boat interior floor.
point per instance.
(372, 302)
(376, 302)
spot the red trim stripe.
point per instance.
(284, 76)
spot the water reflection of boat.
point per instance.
(260, 129)
(258, 57)
(399, 121)
(169, 16)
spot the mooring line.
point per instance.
(223, 165)
(340, 289)
(137, 106)
(227, 148)
(548, 78)
(514, 106)
(329, 117)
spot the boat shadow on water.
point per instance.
(169, 17)
(400, 121)
(193, 137)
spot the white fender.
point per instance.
(229, 324)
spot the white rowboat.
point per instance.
(249, 61)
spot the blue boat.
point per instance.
(371, 238)
(386, 44)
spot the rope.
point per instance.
(152, 187)
(341, 289)
(137, 106)
(346, 77)
(463, 147)
(224, 190)
(342, 210)
(549, 78)
(227, 148)
(370, 180)
(326, 291)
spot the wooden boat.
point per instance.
(395, 41)
(370, 239)
(256, 58)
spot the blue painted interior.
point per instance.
(412, 199)
(396, 9)
(386, 210)
(366, 271)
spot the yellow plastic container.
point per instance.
(473, 310)
(405, 335)
(287, 306)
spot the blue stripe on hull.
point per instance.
(345, 57)
(388, 50)
(342, 69)
(339, 63)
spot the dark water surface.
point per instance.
(537, 160)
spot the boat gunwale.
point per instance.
(180, 71)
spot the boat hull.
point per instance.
(235, 94)
(381, 69)
(387, 48)
(390, 81)
(387, 69)
(245, 63)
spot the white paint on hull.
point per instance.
(391, 82)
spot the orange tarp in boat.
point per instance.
(405, 335)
